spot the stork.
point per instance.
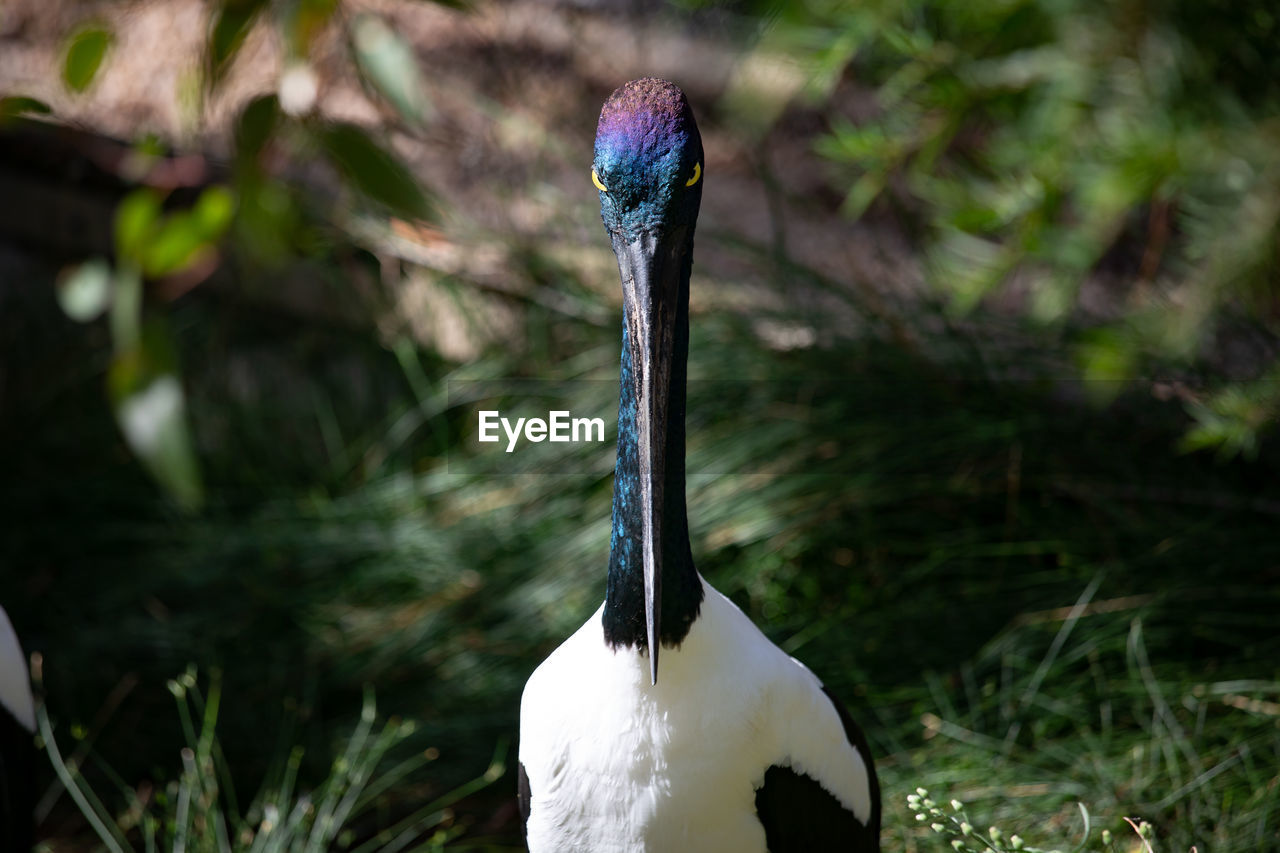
(738, 747)
(17, 747)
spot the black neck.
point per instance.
(624, 608)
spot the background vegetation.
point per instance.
(953, 458)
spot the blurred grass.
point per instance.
(1030, 600)
(199, 811)
(910, 527)
(1106, 169)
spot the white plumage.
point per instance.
(618, 764)
(17, 747)
(15, 679)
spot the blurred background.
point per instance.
(983, 378)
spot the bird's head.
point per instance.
(648, 160)
(648, 168)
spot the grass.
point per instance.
(198, 811)
(1030, 602)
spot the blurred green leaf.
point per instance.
(137, 218)
(84, 57)
(258, 120)
(150, 408)
(231, 25)
(1045, 146)
(1231, 418)
(267, 218)
(376, 172)
(178, 244)
(309, 18)
(18, 105)
(389, 63)
(161, 245)
(213, 211)
(126, 307)
(84, 291)
(1108, 360)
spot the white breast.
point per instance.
(616, 764)
(15, 681)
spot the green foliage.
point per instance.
(918, 534)
(374, 171)
(931, 545)
(150, 407)
(159, 244)
(259, 211)
(1052, 142)
(85, 52)
(388, 62)
(143, 379)
(13, 106)
(198, 810)
(231, 24)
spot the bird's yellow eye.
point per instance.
(697, 173)
(595, 179)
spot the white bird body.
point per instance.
(17, 747)
(15, 680)
(616, 763)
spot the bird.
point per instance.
(737, 746)
(17, 744)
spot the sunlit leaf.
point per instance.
(231, 25)
(137, 217)
(389, 63)
(84, 292)
(1232, 418)
(178, 244)
(84, 57)
(213, 211)
(154, 423)
(18, 105)
(375, 171)
(150, 408)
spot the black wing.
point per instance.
(800, 815)
(17, 785)
(522, 793)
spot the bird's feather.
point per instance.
(615, 763)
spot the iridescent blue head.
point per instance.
(648, 159)
(648, 168)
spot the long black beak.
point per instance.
(650, 293)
